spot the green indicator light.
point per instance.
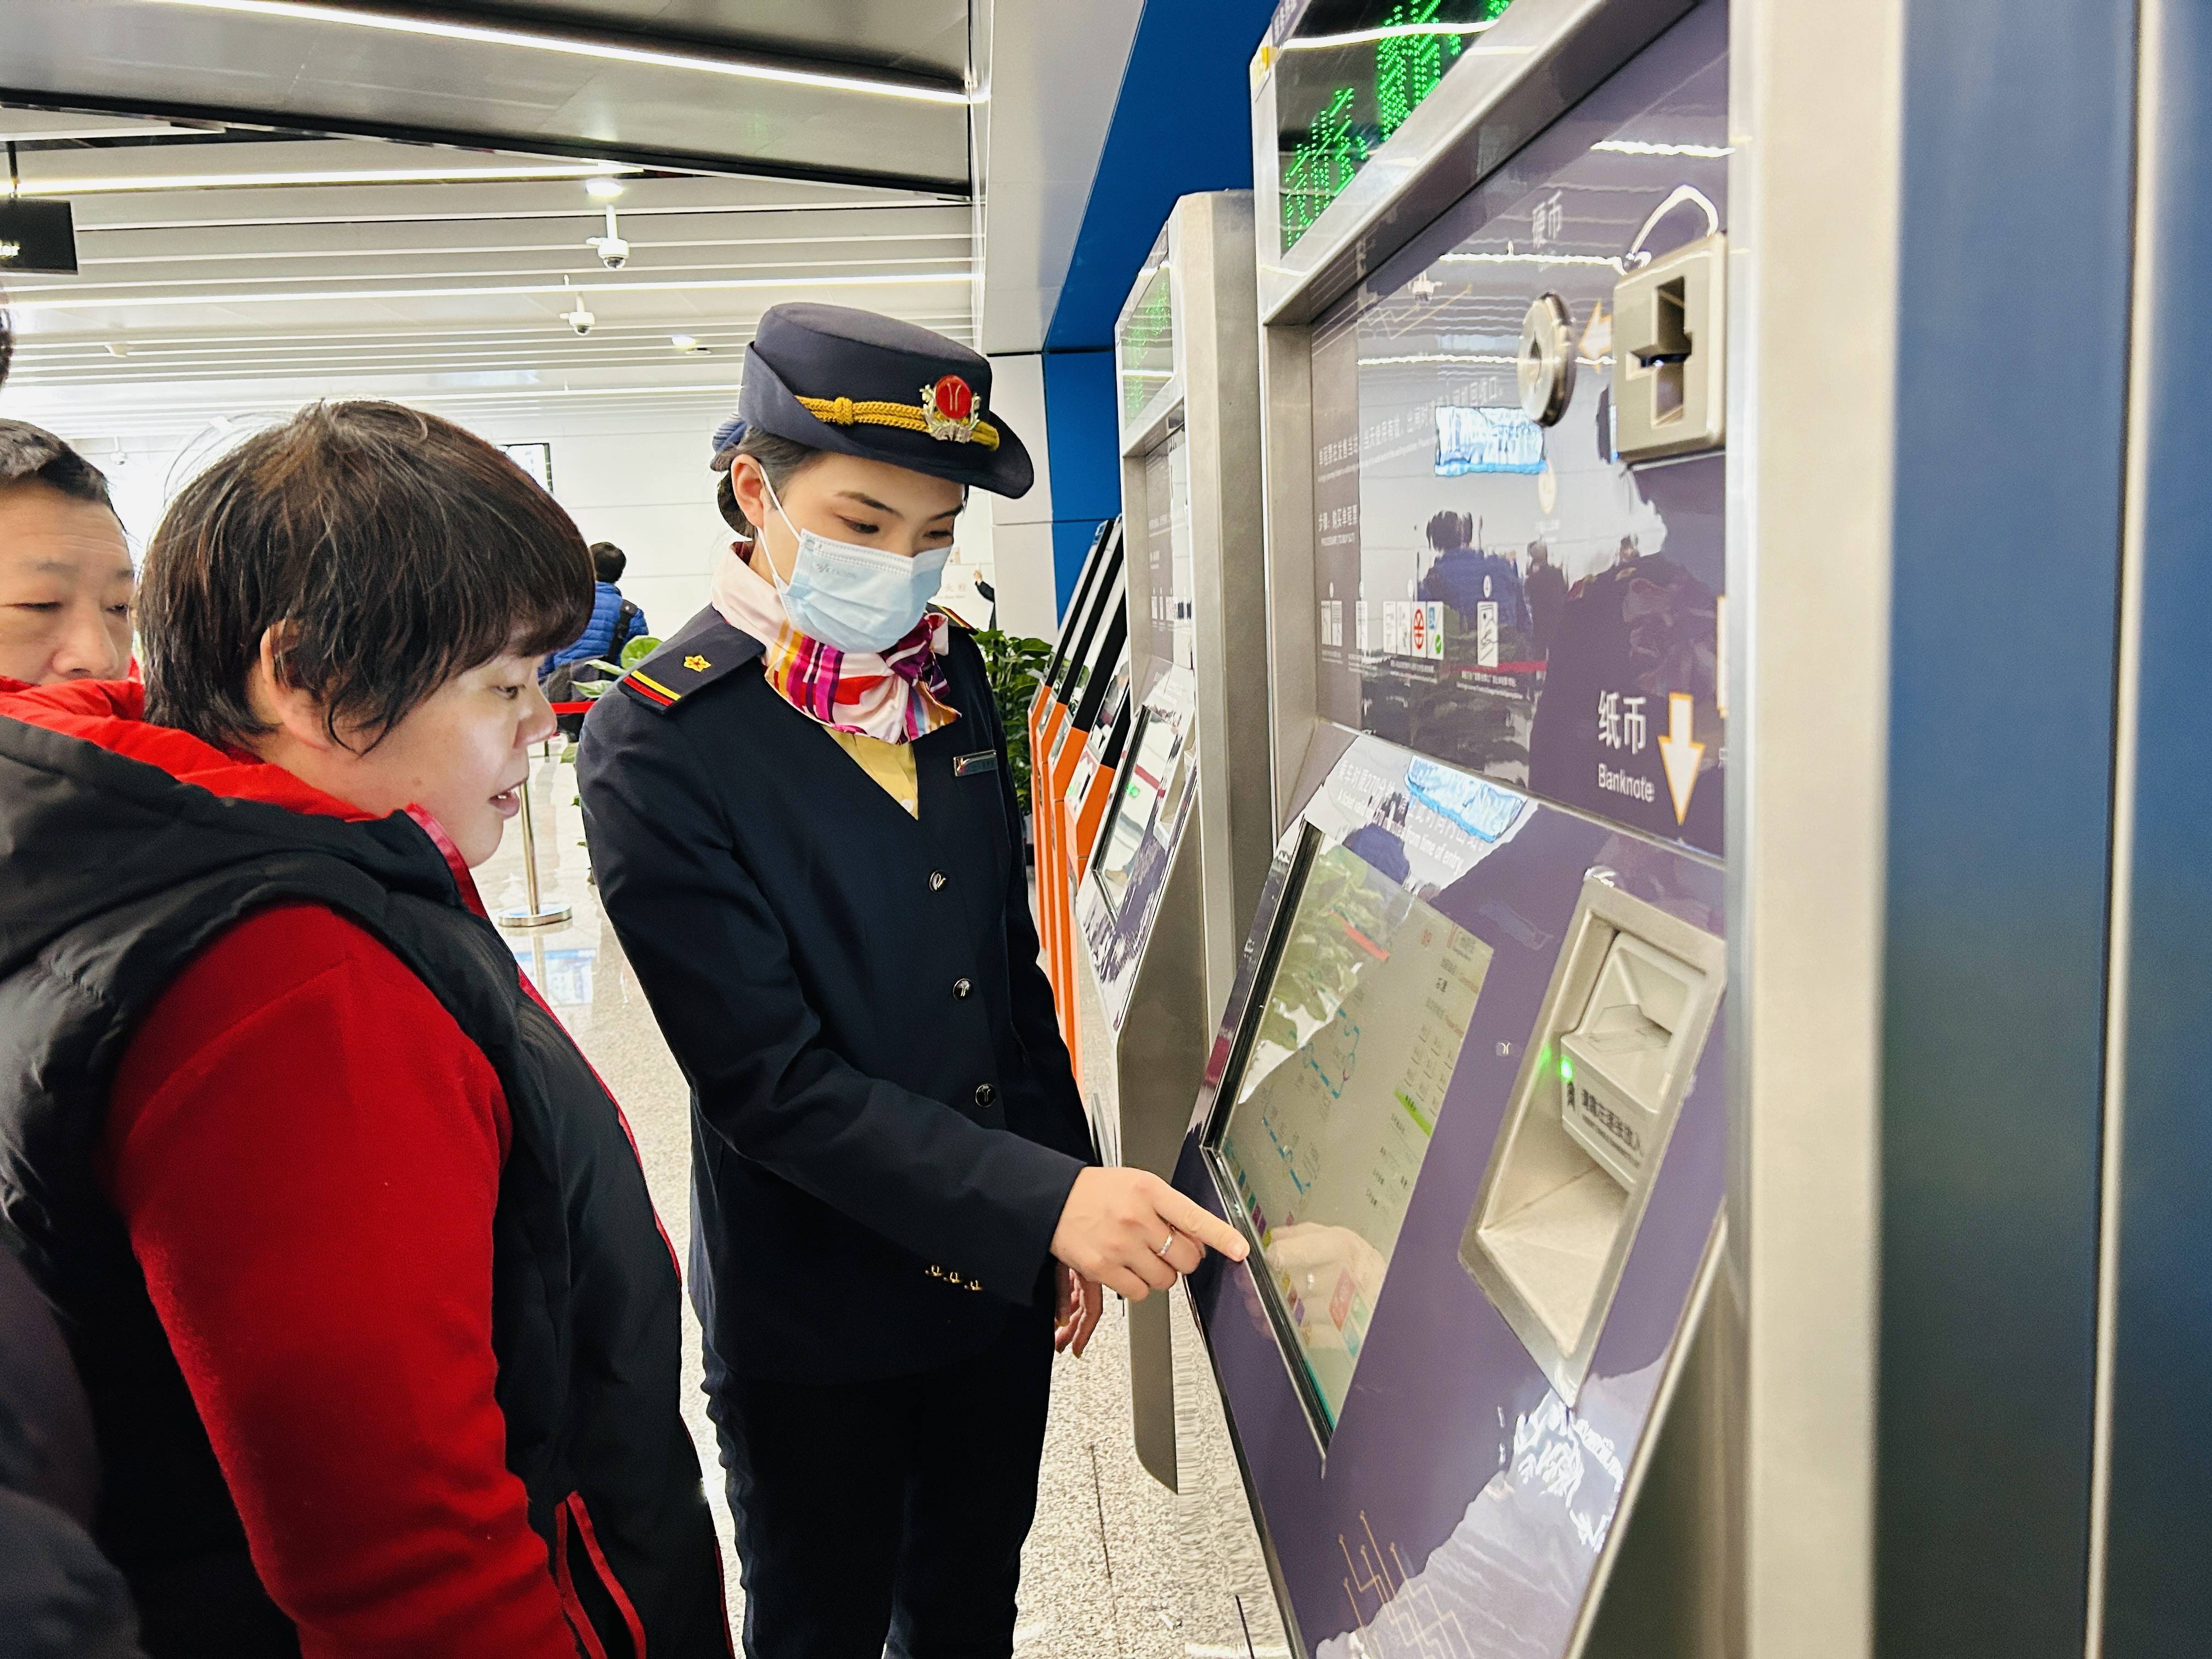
(1566, 1069)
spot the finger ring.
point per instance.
(1166, 1244)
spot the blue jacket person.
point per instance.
(803, 827)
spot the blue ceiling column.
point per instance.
(1182, 124)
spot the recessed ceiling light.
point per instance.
(685, 342)
(603, 189)
(575, 46)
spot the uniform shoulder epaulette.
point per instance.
(699, 653)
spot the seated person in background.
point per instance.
(379, 1329)
(65, 577)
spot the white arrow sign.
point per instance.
(1681, 752)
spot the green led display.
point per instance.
(1147, 340)
(1347, 79)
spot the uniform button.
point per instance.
(961, 987)
(984, 1094)
(937, 880)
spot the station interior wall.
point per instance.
(641, 482)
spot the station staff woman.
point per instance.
(801, 816)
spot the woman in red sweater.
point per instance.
(351, 1245)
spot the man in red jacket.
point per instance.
(351, 1246)
(65, 578)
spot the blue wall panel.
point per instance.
(1182, 123)
(2012, 352)
(2157, 1584)
(1085, 456)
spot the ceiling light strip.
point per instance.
(574, 46)
(126, 292)
(599, 292)
(584, 212)
(1384, 32)
(491, 250)
(519, 173)
(1643, 146)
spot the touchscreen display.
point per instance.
(1358, 1027)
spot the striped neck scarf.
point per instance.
(896, 696)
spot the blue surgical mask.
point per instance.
(852, 597)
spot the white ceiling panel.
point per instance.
(225, 294)
(842, 89)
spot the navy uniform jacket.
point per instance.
(884, 1125)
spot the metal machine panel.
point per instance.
(1167, 818)
(2149, 1593)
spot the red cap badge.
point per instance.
(949, 411)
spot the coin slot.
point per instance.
(1670, 354)
(1670, 386)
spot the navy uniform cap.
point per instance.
(860, 384)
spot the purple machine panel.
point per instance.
(1524, 634)
(1436, 1481)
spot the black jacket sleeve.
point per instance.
(715, 964)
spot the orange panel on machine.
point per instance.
(1055, 899)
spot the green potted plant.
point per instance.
(1016, 664)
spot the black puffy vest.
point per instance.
(113, 876)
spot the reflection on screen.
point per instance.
(1149, 792)
(1359, 1028)
(1486, 441)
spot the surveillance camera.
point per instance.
(580, 319)
(613, 250)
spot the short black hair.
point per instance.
(1449, 531)
(396, 550)
(31, 454)
(608, 562)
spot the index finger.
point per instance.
(1195, 1221)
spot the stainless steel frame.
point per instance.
(1209, 257)
(1147, 1073)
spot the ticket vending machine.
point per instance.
(1468, 1100)
(1178, 834)
(1067, 707)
